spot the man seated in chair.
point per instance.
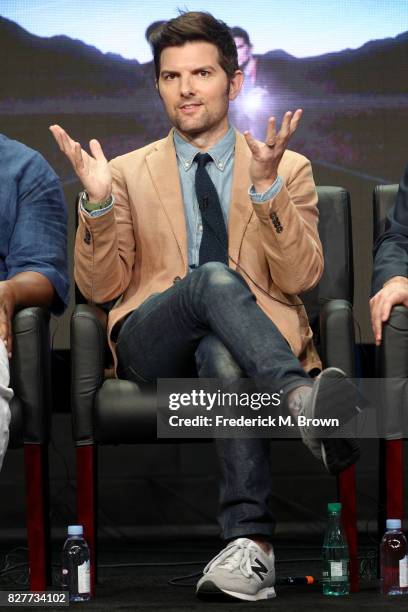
(390, 273)
(33, 253)
(208, 236)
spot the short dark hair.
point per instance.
(238, 32)
(152, 27)
(196, 26)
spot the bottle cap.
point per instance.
(393, 524)
(75, 530)
(334, 507)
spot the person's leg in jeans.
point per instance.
(159, 339)
(245, 485)
(5, 396)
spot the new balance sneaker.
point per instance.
(242, 570)
(333, 395)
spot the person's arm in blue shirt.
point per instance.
(36, 260)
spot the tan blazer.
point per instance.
(140, 246)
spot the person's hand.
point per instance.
(7, 305)
(395, 291)
(263, 169)
(92, 170)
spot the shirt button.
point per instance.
(87, 236)
(200, 227)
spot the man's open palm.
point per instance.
(266, 155)
(92, 170)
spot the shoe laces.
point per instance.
(238, 554)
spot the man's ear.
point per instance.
(236, 84)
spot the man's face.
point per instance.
(244, 51)
(195, 89)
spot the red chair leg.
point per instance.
(36, 470)
(346, 483)
(394, 471)
(86, 501)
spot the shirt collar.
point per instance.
(220, 152)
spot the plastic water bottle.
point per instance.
(76, 565)
(335, 555)
(393, 560)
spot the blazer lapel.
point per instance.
(163, 168)
(241, 207)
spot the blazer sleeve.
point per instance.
(288, 225)
(391, 248)
(105, 247)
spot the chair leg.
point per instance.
(394, 471)
(86, 501)
(38, 525)
(346, 483)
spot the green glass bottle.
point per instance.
(335, 555)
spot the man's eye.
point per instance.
(204, 73)
(169, 77)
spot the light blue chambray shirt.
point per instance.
(220, 171)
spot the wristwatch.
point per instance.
(91, 206)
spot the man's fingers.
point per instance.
(251, 142)
(285, 127)
(385, 310)
(96, 150)
(78, 157)
(376, 322)
(295, 120)
(271, 131)
(56, 131)
(4, 327)
(9, 339)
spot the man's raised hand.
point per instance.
(394, 291)
(92, 170)
(266, 155)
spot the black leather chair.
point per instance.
(391, 362)
(111, 411)
(30, 428)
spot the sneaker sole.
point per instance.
(339, 454)
(336, 390)
(335, 396)
(210, 591)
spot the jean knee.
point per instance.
(214, 360)
(218, 276)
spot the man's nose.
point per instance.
(186, 86)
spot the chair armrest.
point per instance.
(393, 353)
(337, 335)
(88, 349)
(30, 371)
(392, 363)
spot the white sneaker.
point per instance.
(242, 570)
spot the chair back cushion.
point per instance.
(337, 281)
(383, 198)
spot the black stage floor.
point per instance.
(146, 585)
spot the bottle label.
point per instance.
(403, 572)
(84, 577)
(335, 571)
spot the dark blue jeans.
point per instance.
(209, 324)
